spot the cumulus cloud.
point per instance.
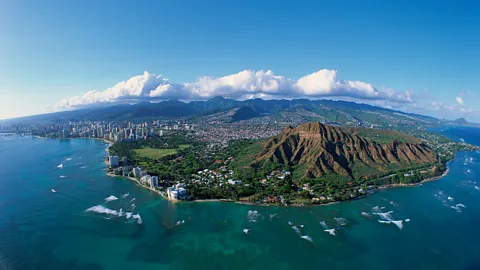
(460, 100)
(241, 85)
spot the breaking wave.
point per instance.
(102, 210)
(138, 218)
(399, 223)
(385, 216)
(449, 201)
(324, 225)
(366, 215)
(180, 222)
(308, 238)
(111, 198)
(252, 215)
(341, 221)
(296, 229)
(330, 231)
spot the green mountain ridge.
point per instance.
(332, 111)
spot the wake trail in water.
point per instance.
(308, 238)
(324, 225)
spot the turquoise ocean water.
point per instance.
(42, 229)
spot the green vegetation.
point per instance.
(158, 153)
(380, 135)
(153, 153)
(332, 115)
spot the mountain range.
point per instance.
(339, 112)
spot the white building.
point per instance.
(178, 186)
(182, 192)
(172, 193)
(136, 172)
(153, 181)
(145, 179)
(234, 182)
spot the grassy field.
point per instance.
(155, 153)
(184, 146)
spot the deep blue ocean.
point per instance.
(76, 217)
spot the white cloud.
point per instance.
(439, 109)
(460, 100)
(241, 85)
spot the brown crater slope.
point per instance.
(316, 150)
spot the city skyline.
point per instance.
(407, 57)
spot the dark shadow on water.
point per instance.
(158, 252)
(44, 259)
(473, 266)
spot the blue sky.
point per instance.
(58, 51)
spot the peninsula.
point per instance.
(312, 163)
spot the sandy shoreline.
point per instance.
(140, 184)
(419, 183)
(330, 203)
(289, 205)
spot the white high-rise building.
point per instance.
(153, 181)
